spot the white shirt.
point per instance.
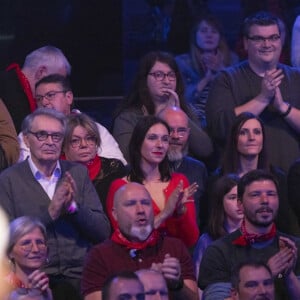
(109, 148)
(48, 184)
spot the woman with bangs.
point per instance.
(81, 144)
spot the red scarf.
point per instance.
(25, 85)
(93, 166)
(247, 239)
(120, 239)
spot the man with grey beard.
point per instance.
(180, 162)
(135, 245)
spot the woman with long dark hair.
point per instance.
(225, 216)
(173, 203)
(157, 84)
(245, 151)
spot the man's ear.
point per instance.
(234, 294)
(114, 214)
(25, 139)
(41, 72)
(245, 43)
(70, 97)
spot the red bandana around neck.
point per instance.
(120, 239)
(247, 239)
(25, 85)
(93, 166)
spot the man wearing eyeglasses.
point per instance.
(179, 160)
(262, 86)
(60, 193)
(54, 91)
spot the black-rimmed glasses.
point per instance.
(261, 39)
(49, 96)
(43, 136)
(160, 76)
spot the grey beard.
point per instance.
(176, 155)
(141, 233)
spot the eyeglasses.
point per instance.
(257, 39)
(89, 140)
(49, 96)
(181, 131)
(160, 76)
(43, 136)
(27, 245)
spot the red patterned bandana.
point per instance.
(25, 85)
(120, 239)
(247, 239)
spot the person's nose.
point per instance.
(45, 102)
(34, 247)
(174, 134)
(251, 135)
(83, 143)
(264, 198)
(261, 289)
(266, 43)
(140, 208)
(159, 143)
(157, 296)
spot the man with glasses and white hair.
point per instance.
(17, 83)
(179, 160)
(60, 193)
(262, 86)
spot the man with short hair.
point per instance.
(180, 162)
(54, 91)
(256, 239)
(17, 84)
(262, 86)
(124, 285)
(135, 245)
(155, 286)
(60, 193)
(252, 280)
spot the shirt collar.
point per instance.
(39, 175)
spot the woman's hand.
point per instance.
(188, 192)
(174, 199)
(173, 99)
(38, 280)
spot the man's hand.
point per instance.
(283, 262)
(63, 196)
(270, 82)
(170, 269)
